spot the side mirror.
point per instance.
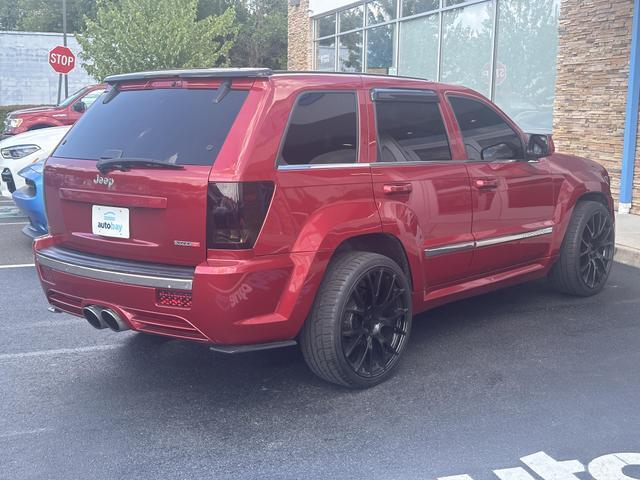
(79, 106)
(499, 151)
(540, 146)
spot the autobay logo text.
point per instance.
(108, 222)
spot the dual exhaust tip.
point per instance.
(101, 318)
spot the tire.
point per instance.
(588, 247)
(360, 322)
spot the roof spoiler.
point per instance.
(195, 73)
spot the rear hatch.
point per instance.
(130, 179)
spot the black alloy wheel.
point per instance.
(360, 322)
(374, 323)
(586, 255)
(596, 249)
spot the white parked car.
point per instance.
(19, 151)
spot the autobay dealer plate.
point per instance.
(110, 221)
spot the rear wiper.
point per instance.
(125, 164)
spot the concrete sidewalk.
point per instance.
(628, 239)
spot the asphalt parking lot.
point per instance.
(484, 383)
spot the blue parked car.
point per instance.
(30, 200)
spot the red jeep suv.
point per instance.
(66, 113)
(248, 210)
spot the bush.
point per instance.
(7, 109)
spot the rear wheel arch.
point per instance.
(382, 244)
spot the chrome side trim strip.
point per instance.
(447, 249)
(461, 247)
(117, 277)
(512, 238)
(319, 166)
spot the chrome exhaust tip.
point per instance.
(113, 320)
(92, 314)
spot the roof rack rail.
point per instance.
(193, 73)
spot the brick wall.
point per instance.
(299, 37)
(591, 89)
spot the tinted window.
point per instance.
(486, 135)
(89, 98)
(323, 129)
(182, 126)
(411, 131)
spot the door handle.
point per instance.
(486, 183)
(397, 188)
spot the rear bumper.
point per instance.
(234, 302)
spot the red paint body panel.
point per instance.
(265, 294)
(53, 116)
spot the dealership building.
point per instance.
(567, 67)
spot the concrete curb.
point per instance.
(627, 255)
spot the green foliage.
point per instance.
(44, 15)
(134, 35)
(262, 40)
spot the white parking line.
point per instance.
(19, 265)
(14, 223)
(60, 351)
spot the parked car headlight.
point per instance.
(15, 122)
(18, 151)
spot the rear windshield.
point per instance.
(181, 126)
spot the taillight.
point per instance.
(236, 212)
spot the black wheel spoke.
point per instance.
(349, 350)
(375, 322)
(596, 250)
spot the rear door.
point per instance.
(423, 195)
(513, 199)
(154, 215)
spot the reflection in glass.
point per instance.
(380, 11)
(419, 47)
(413, 7)
(526, 55)
(326, 54)
(466, 46)
(380, 49)
(351, 19)
(350, 59)
(326, 25)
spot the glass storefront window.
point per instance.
(381, 11)
(520, 77)
(351, 19)
(350, 52)
(414, 7)
(380, 41)
(418, 55)
(326, 54)
(326, 26)
(525, 73)
(467, 45)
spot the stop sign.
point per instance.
(61, 59)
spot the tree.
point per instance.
(134, 35)
(44, 15)
(262, 41)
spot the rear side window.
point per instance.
(486, 135)
(323, 129)
(181, 126)
(411, 132)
